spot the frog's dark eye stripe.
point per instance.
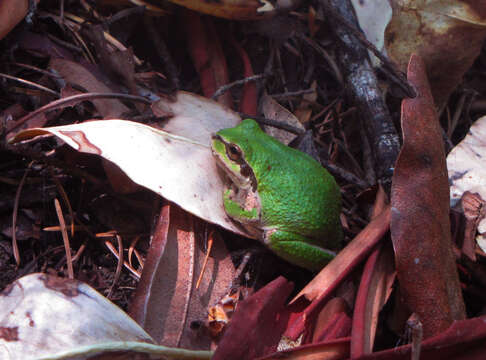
(247, 172)
(233, 151)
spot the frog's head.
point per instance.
(233, 148)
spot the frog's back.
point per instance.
(298, 191)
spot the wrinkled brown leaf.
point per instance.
(274, 111)
(167, 303)
(11, 13)
(420, 225)
(75, 73)
(447, 34)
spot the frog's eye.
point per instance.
(234, 152)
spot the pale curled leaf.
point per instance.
(179, 169)
(274, 111)
(194, 116)
(47, 317)
(372, 25)
(466, 164)
(43, 316)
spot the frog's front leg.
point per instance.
(297, 250)
(241, 205)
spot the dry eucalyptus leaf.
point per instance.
(44, 316)
(194, 116)
(11, 13)
(447, 34)
(373, 25)
(467, 170)
(273, 110)
(237, 9)
(75, 73)
(178, 168)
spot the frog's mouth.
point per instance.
(236, 180)
(238, 174)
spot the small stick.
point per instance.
(119, 265)
(30, 83)
(226, 87)
(15, 246)
(71, 100)
(65, 238)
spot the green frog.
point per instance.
(279, 195)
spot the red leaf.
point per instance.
(464, 340)
(374, 290)
(333, 321)
(257, 324)
(248, 103)
(323, 285)
(420, 225)
(207, 56)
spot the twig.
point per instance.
(226, 87)
(162, 52)
(137, 10)
(275, 124)
(72, 100)
(289, 94)
(330, 61)
(134, 271)
(66, 44)
(26, 151)
(367, 157)
(131, 250)
(65, 238)
(362, 87)
(345, 175)
(351, 24)
(30, 83)
(35, 68)
(15, 246)
(65, 197)
(206, 258)
(119, 265)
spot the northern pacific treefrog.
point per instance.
(279, 194)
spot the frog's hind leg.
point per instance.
(297, 250)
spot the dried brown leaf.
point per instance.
(420, 225)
